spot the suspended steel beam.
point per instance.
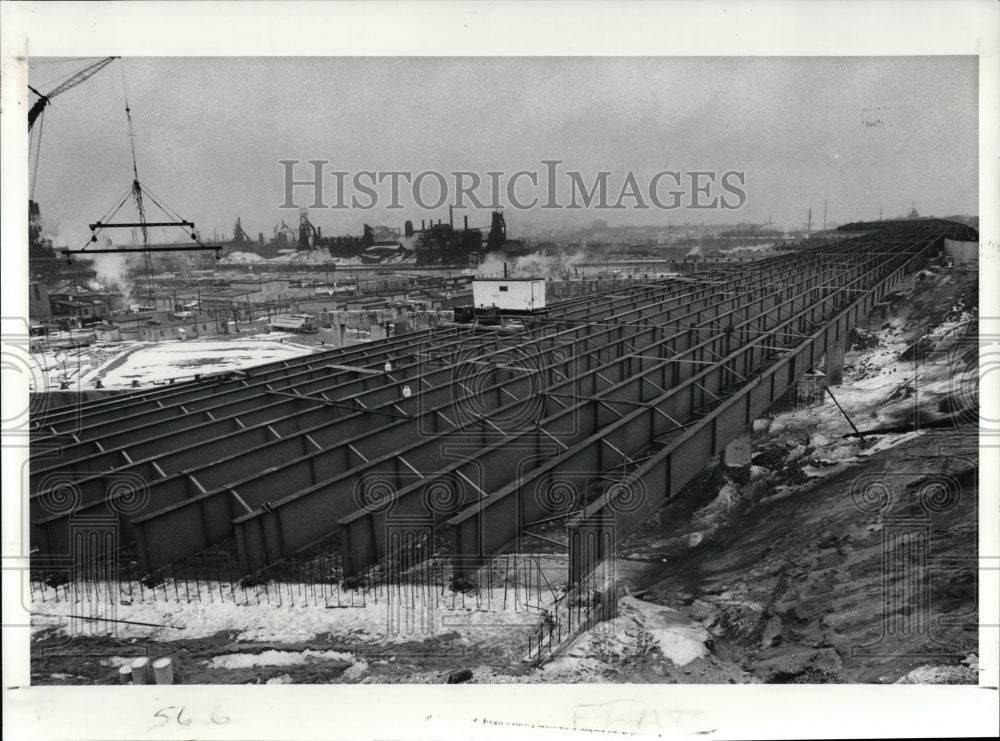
(132, 224)
(110, 250)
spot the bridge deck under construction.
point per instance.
(597, 414)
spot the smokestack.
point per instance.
(422, 227)
(505, 271)
(465, 221)
(451, 220)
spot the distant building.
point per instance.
(229, 299)
(179, 330)
(86, 307)
(269, 288)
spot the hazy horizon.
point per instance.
(861, 134)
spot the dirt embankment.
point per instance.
(801, 574)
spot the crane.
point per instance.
(43, 100)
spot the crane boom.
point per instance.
(43, 100)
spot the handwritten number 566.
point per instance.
(166, 717)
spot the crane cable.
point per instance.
(38, 155)
(137, 189)
(41, 121)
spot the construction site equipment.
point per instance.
(303, 323)
(138, 194)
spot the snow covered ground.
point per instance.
(639, 628)
(393, 616)
(117, 364)
(314, 257)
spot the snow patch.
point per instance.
(679, 640)
(891, 440)
(940, 675)
(355, 670)
(118, 364)
(638, 626)
(361, 617)
(275, 658)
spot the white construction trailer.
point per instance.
(509, 295)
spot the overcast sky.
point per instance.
(859, 133)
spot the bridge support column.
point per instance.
(834, 367)
(378, 331)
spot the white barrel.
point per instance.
(163, 670)
(140, 671)
(125, 674)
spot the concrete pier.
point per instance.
(736, 455)
(834, 364)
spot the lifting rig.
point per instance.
(137, 192)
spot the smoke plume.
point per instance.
(112, 271)
(534, 265)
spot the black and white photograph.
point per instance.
(418, 362)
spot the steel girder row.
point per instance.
(594, 535)
(614, 299)
(215, 400)
(151, 439)
(602, 393)
(156, 539)
(296, 521)
(495, 522)
(67, 421)
(48, 423)
(93, 419)
(54, 428)
(614, 433)
(255, 405)
(121, 483)
(178, 459)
